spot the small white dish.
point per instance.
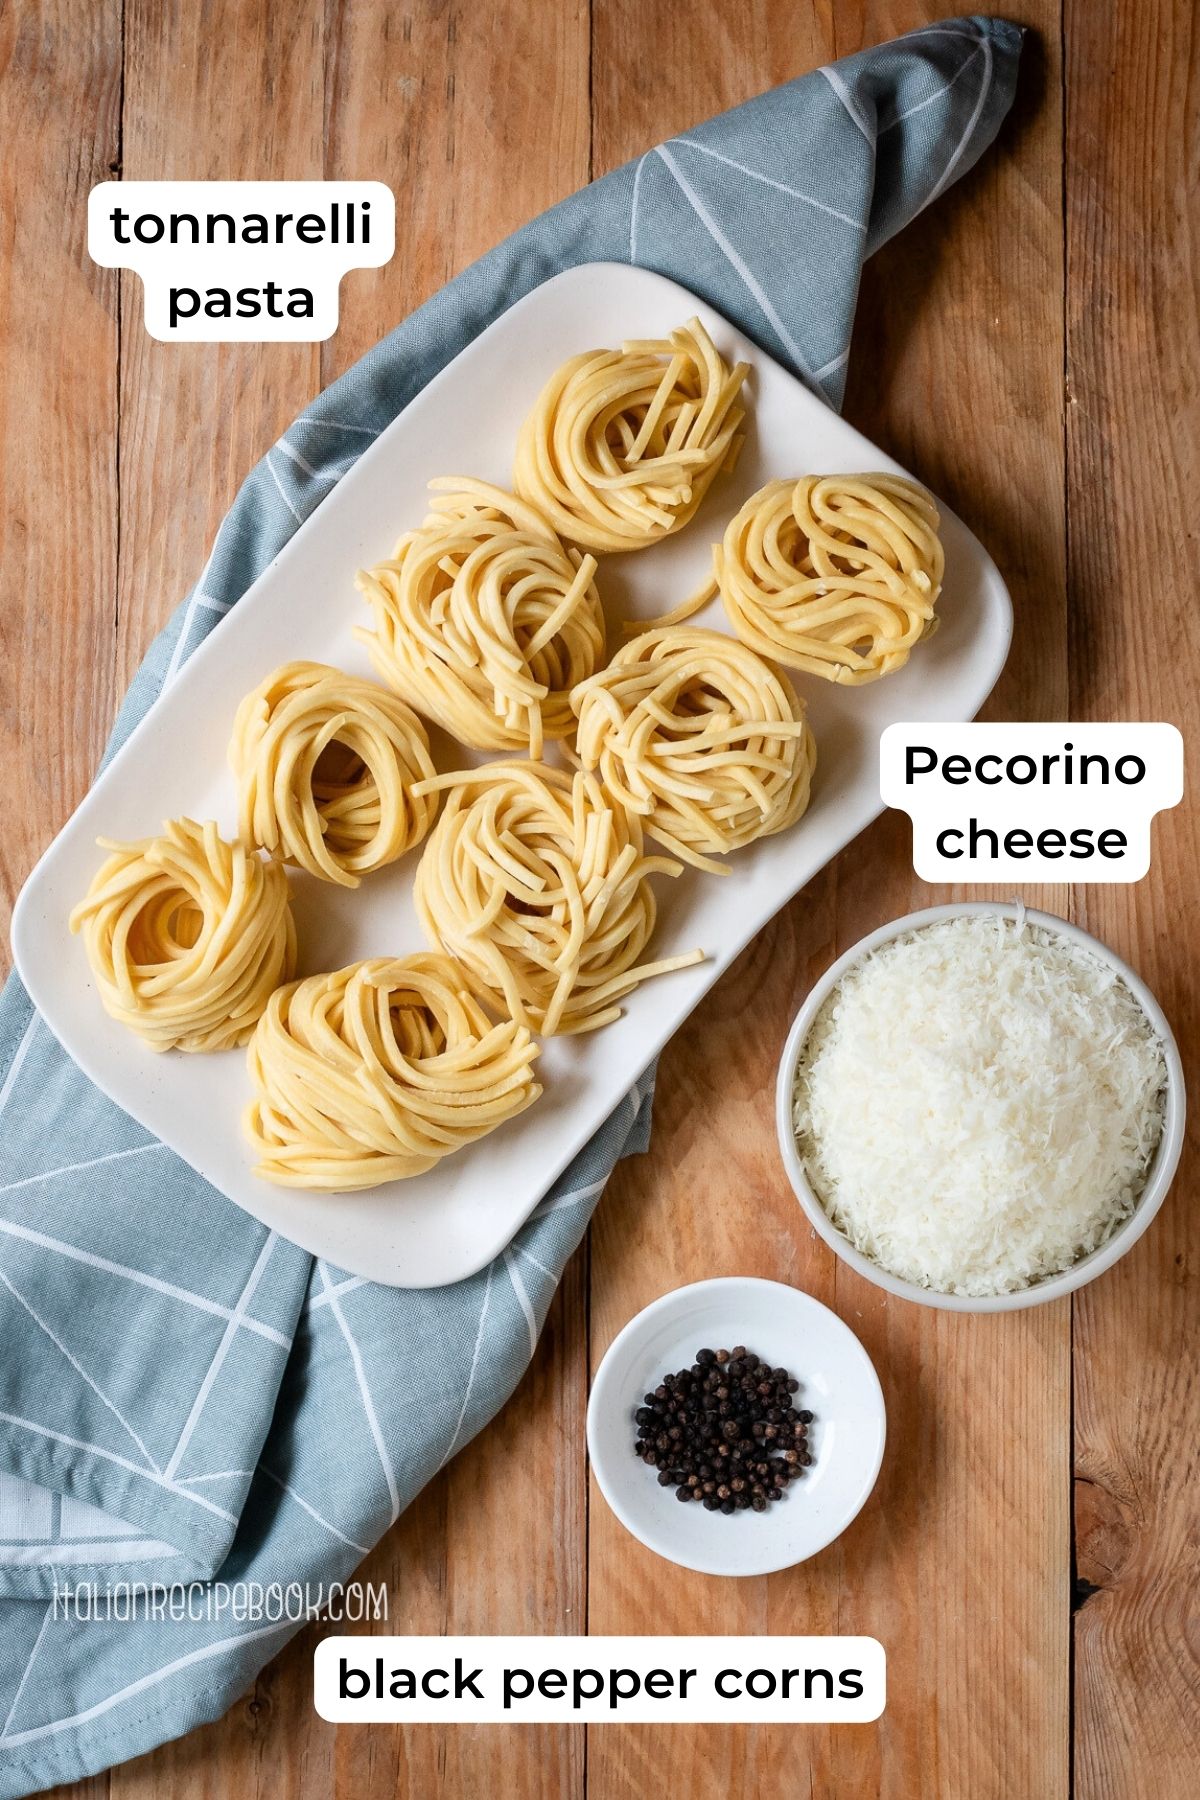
(1162, 1169)
(838, 1385)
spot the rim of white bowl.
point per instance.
(1158, 1181)
(599, 1397)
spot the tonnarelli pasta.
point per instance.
(325, 764)
(187, 936)
(837, 575)
(484, 621)
(700, 738)
(623, 445)
(377, 1071)
(536, 882)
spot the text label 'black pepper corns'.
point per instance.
(725, 1432)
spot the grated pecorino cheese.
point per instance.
(978, 1103)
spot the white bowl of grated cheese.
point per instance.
(980, 1107)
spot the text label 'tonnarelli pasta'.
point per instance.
(241, 261)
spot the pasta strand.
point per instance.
(623, 445)
(338, 822)
(484, 621)
(837, 575)
(378, 1071)
(536, 882)
(697, 736)
(187, 936)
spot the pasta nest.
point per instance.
(378, 1071)
(623, 445)
(700, 738)
(837, 575)
(187, 936)
(484, 621)
(536, 882)
(325, 764)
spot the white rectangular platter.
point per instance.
(445, 1225)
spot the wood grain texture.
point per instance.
(479, 116)
(977, 1637)
(1133, 423)
(195, 80)
(231, 90)
(365, 91)
(60, 103)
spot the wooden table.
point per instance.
(1030, 346)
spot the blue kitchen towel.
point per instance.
(181, 1391)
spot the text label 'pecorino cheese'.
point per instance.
(1031, 802)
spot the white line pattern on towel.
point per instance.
(522, 1293)
(121, 1462)
(462, 1413)
(736, 261)
(360, 1374)
(79, 1369)
(37, 1644)
(769, 181)
(851, 105)
(92, 1162)
(222, 1351)
(972, 122)
(139, 1277)
(139, 1686)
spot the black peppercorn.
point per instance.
(725, 1431)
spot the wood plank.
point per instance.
(245, 90)
(60, 118)
(946, 1565)
(499, 1541)
(1134, 570)
(369, 93)
(945, 377)
(229, 91)
(478, 119)
(232, 91)
(60, 88)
